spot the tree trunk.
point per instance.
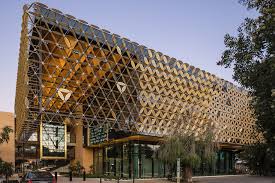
(170, 172)
(187, 174)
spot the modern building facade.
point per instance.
(88, 95)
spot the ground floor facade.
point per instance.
(127, 159)
(122, 155)
(140, 159)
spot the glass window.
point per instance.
(146, 160)
(53, 140)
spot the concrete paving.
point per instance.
(211, 179)
(216, 179)
(235, 179)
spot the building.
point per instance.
(7, 150)
(88, 95)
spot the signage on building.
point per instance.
(64, 94)
(97, 135)
(121, 86)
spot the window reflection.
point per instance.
(53, 140)
(133, 159)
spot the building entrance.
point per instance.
(140, 159)
(130, 159)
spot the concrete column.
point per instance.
(82, 154)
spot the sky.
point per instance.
(189, 30)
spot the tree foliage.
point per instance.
(190, 150)
(5, 134)
(6, 169)
(179, 146)
(251, 54)
(258, 158)
(76, 168)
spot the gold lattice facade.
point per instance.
(71, 73)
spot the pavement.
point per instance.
(235, 179)
(212, 179)
(204, 179)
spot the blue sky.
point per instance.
(189, 30)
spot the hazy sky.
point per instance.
(189, 30)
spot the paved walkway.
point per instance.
(216, 179)
(212, 179)
(235, 179)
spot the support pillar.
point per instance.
(82, 154)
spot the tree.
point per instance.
(178, 146)
(6, 169)
(192, 147)
(76, 168)
(257, 158)
(5, 134)
(190, 151)
(252, 56)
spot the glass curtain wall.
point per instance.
(139, 159)
(223, 164)
(132, 159)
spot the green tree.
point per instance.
(183, 147)
(5, 134)
(76, 168)
(251, 54)
(190, 151)
(257, 157)
(6, 168)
